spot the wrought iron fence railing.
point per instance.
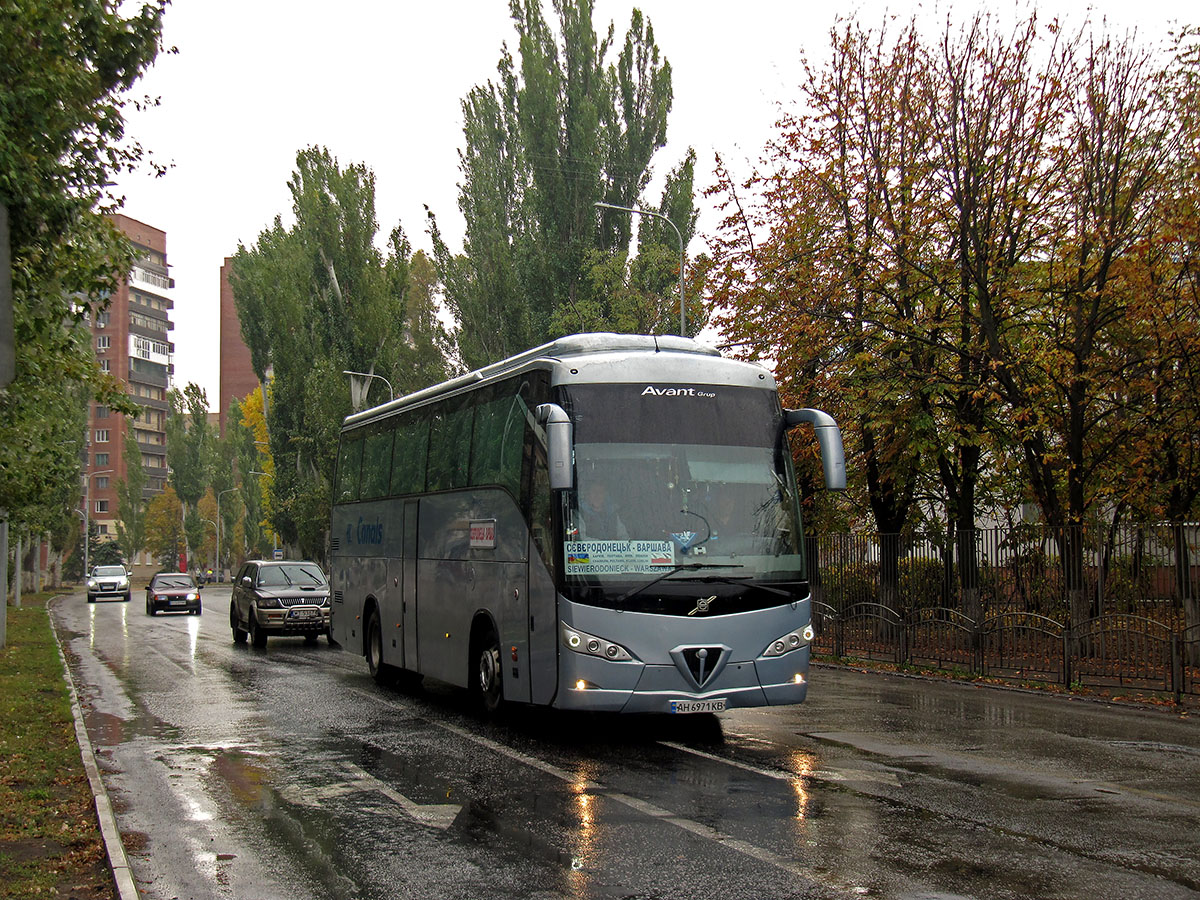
(1119, 607)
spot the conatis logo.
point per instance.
(652, 391)
(365, 533)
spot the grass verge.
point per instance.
(50, 844)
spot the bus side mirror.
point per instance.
(829, 438)
(559, 445)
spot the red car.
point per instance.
(173, 592)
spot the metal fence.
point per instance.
(1117, 607)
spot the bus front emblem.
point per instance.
(702, 604)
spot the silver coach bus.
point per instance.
(606, 522)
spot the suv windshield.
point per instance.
(293, 575)
(700, 476)
(110, 571)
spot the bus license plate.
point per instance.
(698, 706)
(304, 614)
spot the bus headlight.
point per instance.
(793, 640)
(590, 645)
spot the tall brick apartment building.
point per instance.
(237, 375)
(131, 340)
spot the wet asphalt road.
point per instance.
(287, 773)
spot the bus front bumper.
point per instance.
(600, 686)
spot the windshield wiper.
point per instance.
(671, 570)
(740, 582)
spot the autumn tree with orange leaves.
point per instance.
(974, 251)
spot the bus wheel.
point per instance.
(491, 684)
(380, 671)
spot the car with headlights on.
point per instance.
(108, 581)
(279, 597)
(173, 592)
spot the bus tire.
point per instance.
(489, 672)
(380, 671)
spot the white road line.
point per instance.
(642, 806)
(851, 775)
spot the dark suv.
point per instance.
(279, 597)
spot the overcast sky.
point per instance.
(381, 82)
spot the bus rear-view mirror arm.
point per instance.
(559, 445)
(829, 438)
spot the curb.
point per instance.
(117, 860)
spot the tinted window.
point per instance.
(376, 463)
(408, 455)
(349, 467)
(496, 451)
(449, 447)
(291, 575)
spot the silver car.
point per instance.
(108, 581)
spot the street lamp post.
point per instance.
(217, 529)
(226, 491)
(274, 534)
(647, 212)
(87, 517)
(391, 393)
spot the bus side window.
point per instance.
(408, 455)
(449, 433)
(349, 467)
(377, 463)
(496, 450)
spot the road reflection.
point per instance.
(193, 637)
(803, 765)
(585, 837)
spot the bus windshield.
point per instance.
(700, 479)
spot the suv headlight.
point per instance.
(91, 582)
(793, 640)
(268, 603)
(582, 642)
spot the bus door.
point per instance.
(408, 587)
(541, 593)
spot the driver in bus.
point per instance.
(598, 516)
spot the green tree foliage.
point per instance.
(559, 130)
(164, 528)
(319, 299)
(190, 444)
(131, 508)
(65, 70)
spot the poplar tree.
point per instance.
(560, 128)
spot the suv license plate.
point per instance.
(698, 706)
(304, 613)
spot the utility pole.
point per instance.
(87, 520)
(220, 571)
(674, 227)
